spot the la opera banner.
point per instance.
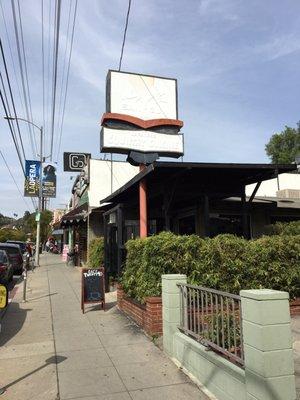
(32, 178)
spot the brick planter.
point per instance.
(295, 307)
(148, 316)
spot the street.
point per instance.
(50, 350)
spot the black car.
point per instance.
(22, 245)
(6, 268)
(15, 256)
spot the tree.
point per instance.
(46, 218)
(5, 220)
(11, 234)
(283, 147)
(29, 225)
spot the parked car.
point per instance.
(22, 245)
(6, 268)
(15, 256)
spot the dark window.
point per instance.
(225, 223)
(283, 218)
(21, 245)
(132, 229)
(187, 225)
(3, 258)
(12, 251)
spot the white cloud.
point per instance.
(219, 9)
(278, 46)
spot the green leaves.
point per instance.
(11, 234)
(284, 228)
(284, 146)
(96, 253)
(226, 262)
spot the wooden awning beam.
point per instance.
(254, 192)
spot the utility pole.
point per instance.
(38, 216)
(38, 222)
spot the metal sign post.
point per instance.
(24, 274)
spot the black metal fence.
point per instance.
(214, 319)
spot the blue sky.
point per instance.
(237, 64)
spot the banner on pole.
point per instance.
(32, 178)
(49, 181)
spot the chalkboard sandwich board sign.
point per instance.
(92, 286)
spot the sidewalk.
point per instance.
(49, 350)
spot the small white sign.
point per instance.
(141, 140)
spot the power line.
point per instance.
(7, 166)
(63, 72)
(48, 98)
(67, 81)
(7, 110)
(11, 131)
(11, 96)
(12, 59)
(22, 74)
(13, 136)
(43, 65)
(55, 59)
(124, 37)
(26, 73)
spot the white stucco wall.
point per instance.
(270, 187)
(100, 178)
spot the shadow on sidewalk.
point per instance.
(98, 307)
(12, 322)
(41, 297)
(50, 360)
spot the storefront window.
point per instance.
(132, 229)
(226, 223)
(187, 225)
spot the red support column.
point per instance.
(143, 205)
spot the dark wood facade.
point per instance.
(187, 198)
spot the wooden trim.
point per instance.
(145, 124)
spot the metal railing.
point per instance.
(214, 319)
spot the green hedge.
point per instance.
(284, 228)
(96, 253)
(225, 262)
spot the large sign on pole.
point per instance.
(32, 178)
(122, 141)
(75, 161)
(141, 115)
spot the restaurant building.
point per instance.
(206, 199)
(84, 221)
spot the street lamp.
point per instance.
(38, 222)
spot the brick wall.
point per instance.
(148, 316)
(295, 307)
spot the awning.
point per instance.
(75, 216)
(189, 180)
